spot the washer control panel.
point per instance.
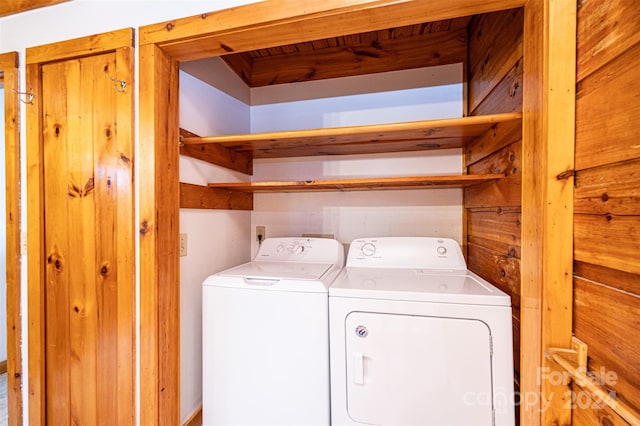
(406, 252)
(301, 249)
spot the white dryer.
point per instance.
(417, 339)
(266, 336)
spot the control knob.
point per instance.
(368, 249)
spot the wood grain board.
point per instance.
(9, 7)
(408, 182)
(605, 30)
(606, 106)
(410, 136)
(613, 343)
(606, 202)
(9, 77)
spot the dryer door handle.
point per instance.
(357, 359)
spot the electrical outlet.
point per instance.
(261, 233)
(183, 245)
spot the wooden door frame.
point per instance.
(120, 42)
(9, 67)
(549, 84)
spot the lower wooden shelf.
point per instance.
(407, 182)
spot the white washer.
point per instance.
(417, 339)
(266, 338)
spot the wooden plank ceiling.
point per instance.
(9, 7)
(391, 49)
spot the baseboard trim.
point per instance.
(3, 367)
(195, 419)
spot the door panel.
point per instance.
(412, 370)
(86, 194)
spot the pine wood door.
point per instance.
(86, 310)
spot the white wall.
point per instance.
(420, 94)
(80, 18)
(216, 239)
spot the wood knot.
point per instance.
(609, 217)
(104, 271)
(54, 260)
(605, 197)
(76, 309)
(144, 227)
(606, 421)
(503, 273)
(126, 160)
(170, 26)
(513, 89)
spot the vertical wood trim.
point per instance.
(547, 203)
(9, 66)
(159, 234)
(35, 249)
(147, 234)
(125, 241)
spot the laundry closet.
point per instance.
(403, 131)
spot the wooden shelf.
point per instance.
(377, 138)
(409, 182)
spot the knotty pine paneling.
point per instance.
(609, 240)
(606, 197)
(495, 79)
(608, 320)
(504, 161)
(610, 189)
(9, 7)
(496, 138)
(495, 228)
(506, 96)
(421, 50)
(614, 278)
(506, 191)
(500, 268)
(495, 46)
(605, 30)
(607, 107)
(587, 412)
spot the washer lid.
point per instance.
(279, 270)
(277, 276)
(417, 285)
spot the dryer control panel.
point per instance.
(430, 253)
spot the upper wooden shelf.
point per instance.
(406, 182)
(376, 138)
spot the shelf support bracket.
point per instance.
(574, 362)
